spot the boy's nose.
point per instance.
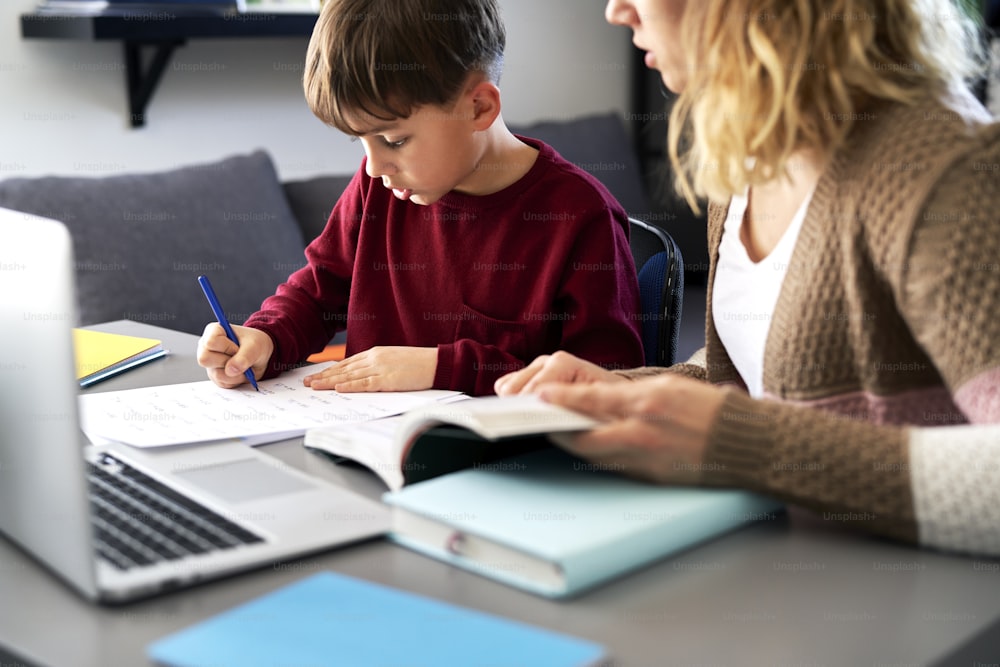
(377, 168)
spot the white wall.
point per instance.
(63, 105)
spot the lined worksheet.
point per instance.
(202, 411)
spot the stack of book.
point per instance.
(101, 355)
(476, 484)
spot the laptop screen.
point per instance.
(43, 497)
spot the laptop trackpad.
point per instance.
(240, 481)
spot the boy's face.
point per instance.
(425, 156)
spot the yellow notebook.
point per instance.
(100, 355)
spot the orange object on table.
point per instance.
(329, 353)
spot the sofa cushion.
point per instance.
(141, 240)
(598, 144)
(312, 201)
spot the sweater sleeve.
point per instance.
(851, 471)
(948, 282)
(938, 486)
(694, 367)
(309, 308)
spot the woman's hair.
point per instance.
(773, 76)
(377, 60)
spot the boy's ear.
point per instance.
(485, 99)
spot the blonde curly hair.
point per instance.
(776, 76)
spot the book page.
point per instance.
(494, 417)
(203, 411)
(373, 444)
(388, 447)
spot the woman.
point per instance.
(852, 357)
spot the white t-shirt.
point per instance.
(745, 293)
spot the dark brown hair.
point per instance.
(380, 59)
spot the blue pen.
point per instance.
(213, 301)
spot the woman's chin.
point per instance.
(673, 82)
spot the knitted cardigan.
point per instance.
(882, 364)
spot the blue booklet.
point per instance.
(329, 619)
(555, 525)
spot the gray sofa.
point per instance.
(141, 240)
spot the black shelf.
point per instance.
(162, 33)
(164, 26)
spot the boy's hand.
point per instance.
(226, 361)
(380, 369)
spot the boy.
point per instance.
(459, 251)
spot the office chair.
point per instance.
(660, 267)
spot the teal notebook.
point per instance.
(329, 619)
(555, 525)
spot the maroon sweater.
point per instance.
(491, 281)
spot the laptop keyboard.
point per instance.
(139, 521)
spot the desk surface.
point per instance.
(796, 591)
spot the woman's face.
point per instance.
(656, 29)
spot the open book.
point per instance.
(433, 440)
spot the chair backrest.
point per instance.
(661, 288)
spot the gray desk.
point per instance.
(795, 591)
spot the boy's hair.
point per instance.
(377, 60)
(769, 77)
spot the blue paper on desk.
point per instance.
(331, 619)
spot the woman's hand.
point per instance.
(380, 369)
(655, 429)
(558, 367)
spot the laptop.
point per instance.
(120, 523)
